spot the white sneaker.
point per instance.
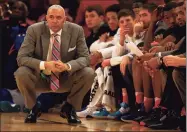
(87, 112)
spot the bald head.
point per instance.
(55, 17)
(56, 7)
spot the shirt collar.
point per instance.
(59, 32)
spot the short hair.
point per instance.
(140, 1)
(150, 7)
(167, 1)
(55, 7)
(137, 5)
(180, 4)
(169, 6)
(97, 8)
(24, 8)
(125, 13)
(113, 8)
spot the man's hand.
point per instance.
(105, 63)
(103, 37)
(169, 46)
(154, 17)
(154, 43)
(153, 63)
(124, 63)
(145, 57)
(137, 59)
(157, 49)
(52, 66)
(123, 32)
(159, 38)
(157, 15)
(62, 66)
(95, 58)
(138, 28)
(171, 60)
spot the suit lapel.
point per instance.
(45, 37)
(65, 40)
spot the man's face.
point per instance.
(112, 20)
(93, 20)
(126, 22)
(55, 19)
(169, 18)
(17, 9)
(145, 17)
(136, 7)
(180, 16)
(136, 11)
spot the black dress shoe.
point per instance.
(34, 113)
(69, 113)
(168, 121)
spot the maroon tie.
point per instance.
(55, 57)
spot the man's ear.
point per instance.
(65, 18)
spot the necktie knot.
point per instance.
(54, 34)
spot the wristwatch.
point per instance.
(68, 67)
(160, 62)
(158, 55)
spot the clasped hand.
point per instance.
(56, 66)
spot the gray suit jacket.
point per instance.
(36, 43)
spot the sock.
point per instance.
(183, 111)
(139, 97)
(99, 105)
(125, 95)
(148, 104)
(157, 102)
(162, 107)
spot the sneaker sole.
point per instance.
(129, 121)
(100, 117)
(115, 117)
(111, 117)
(87, 116)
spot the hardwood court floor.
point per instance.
(53, 122)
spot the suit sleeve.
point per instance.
(81, 53)
(26, 53)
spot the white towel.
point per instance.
(97, 88)
(108, 100)
(102, 91)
